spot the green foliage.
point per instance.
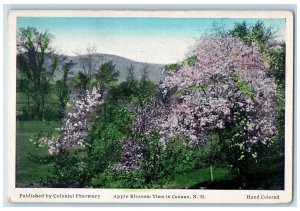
(111, 126)
(69, 170)
(181, 157)
(152, 161)
(190, 89)
(118, 179)
(248, 165)
(249, 34)
(28, 169)
(80, 82)
(126, 92)
(244, 88)
(62, 87)
(145, 93)
(162, 163)
(133, 92)
(190, 62)
(104, 145)
(52, 108)
(275, 57)
(107, 75)
(277, 152)
(93, 82)
(242, 31)
(257, 33)
(171, 68)
(212, 153)
(33, 48)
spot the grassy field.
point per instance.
(29, 171)
(199, 176)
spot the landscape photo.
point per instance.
(150, 103)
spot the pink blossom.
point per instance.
(210, 96)
(75, 124)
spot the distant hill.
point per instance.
(121, 65)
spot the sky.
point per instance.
(153, 40)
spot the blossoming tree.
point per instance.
(229, 78)
(227, 86)
(76, 122)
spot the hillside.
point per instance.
(121, 65)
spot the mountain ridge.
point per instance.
(121, 64)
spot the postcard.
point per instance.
(121, 106)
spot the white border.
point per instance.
(211, 196)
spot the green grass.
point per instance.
(190, 179)
(29, 171)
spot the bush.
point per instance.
(157, 163)
(119, 179)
